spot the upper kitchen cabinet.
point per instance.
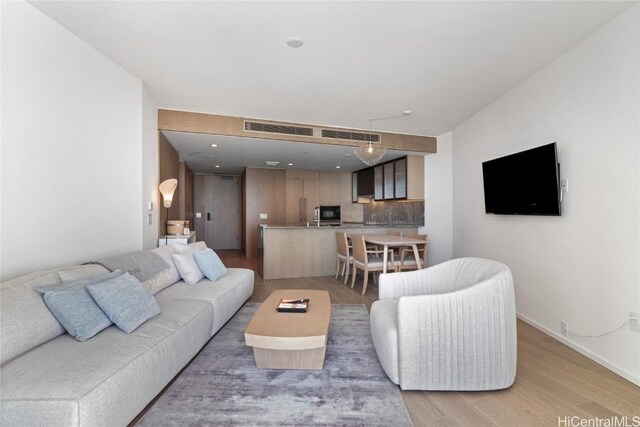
(354, 187)
(378, 182)
(329, 188)
(365, 182)
(389, 181)
(400, 179)
(409, 178)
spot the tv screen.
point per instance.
(525, 183)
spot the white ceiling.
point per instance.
(234, 154)
(443, 60)
(360, 60)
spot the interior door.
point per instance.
(222, 212)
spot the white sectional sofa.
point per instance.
(49, 378)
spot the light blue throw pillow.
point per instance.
(127, 303)
(74, 308)
(210, 264)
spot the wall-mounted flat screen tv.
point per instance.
(524, 183)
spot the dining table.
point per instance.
(387, 240)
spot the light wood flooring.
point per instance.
(552, 380)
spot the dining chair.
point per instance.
(367, 260)
(407, 259)
(344, 258)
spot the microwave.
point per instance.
(329, 213)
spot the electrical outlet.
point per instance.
(149, 218)
(264, 216)
(634, 322)
(564, 328)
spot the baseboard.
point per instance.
(624, 374)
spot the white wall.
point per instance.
(581, 267)
(71, 148)
(150, 173)
(438, 201)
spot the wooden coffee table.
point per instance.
(290, 340)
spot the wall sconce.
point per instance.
(167, 188)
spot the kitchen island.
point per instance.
(290, 251)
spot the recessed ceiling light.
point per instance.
(214, 145)
(217, 166)
(347, 155)
(337, 167)
(271, 162)
(290, 164)
(294, 42)
(407, 112)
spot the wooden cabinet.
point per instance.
(366, 182)
(378, 182)
(263, 191)
(302, 196)
(329, 183)
(398, 179)
(354, 187)
(389, 181)
(414, 177)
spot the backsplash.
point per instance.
(394, 213)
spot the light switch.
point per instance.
(150, 206)
(263, 216)
(198, 215)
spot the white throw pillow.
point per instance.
(188, 267)
(198, 246)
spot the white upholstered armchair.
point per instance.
(448, 327)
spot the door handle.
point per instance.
(208, 216)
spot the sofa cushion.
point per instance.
(199, 246)
(188, 267)
(107, 380)
(74, 308)
(25, 320)
(165, 253)
(226, 295)
(125, 301)
(210, 264)
(384, 331)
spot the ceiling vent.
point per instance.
(351, 136)
(271, 163)
(276, 128)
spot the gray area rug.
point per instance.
(222, 386)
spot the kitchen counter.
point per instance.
(291, 251)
